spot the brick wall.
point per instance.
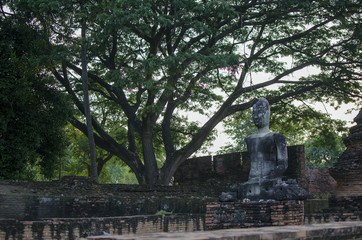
(36, 207)
(77, 197)
(320, 183)
(235, 167)
(340, 209)
(296, 165)
(332, 217)
(221, 215)
(62, 199)
(74, 228)
(195, 170)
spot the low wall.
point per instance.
(255, 215)
(332, 217)
(76, 198)
(339, 210)
(223, 215)
(315, 205)
(74, 228)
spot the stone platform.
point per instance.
(340, 230)
(224, 215)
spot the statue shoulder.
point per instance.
(259, 135)
(279, 138)
(250, 138)
(247, 139)
(254, 135)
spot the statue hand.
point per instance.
(277, 172)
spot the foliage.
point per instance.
(112, 171)
(76, 161)
(120, 174)
(238, 127)
(152, 61)
(163, 212)
(324, 150)
(33, 112)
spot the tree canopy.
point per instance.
(150, 62)
(33, 113)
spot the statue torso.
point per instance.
(263, 155)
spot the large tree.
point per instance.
(154, 61)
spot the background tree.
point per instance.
(76, 161)
(32, 111)
(155, 60)
(93, 169)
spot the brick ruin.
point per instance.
(348, 169)
(74, 206)
(234, 168)
(346, 202)
(75, 228)
(320, 183)
(223, 215)
(67, 209)
(76, 197)
(338, 210)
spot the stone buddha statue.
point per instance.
(268, 154)
(268, 160)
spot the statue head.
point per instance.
(261, 113)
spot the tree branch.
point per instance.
(292, 38)
(110, 145)
(105, 139)
(120, 99)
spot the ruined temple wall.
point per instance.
(75, 228)
(74, 199)
(234, 168)
(199, 181)
(223, 215)
(77, 197)
(339, 209)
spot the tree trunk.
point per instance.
(60, 168)
(88, 116)
(167, 172)
(151, 169)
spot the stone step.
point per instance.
(343, 230)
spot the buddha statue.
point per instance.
(268, 162)
(268, 154)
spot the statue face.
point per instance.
(261, 113)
